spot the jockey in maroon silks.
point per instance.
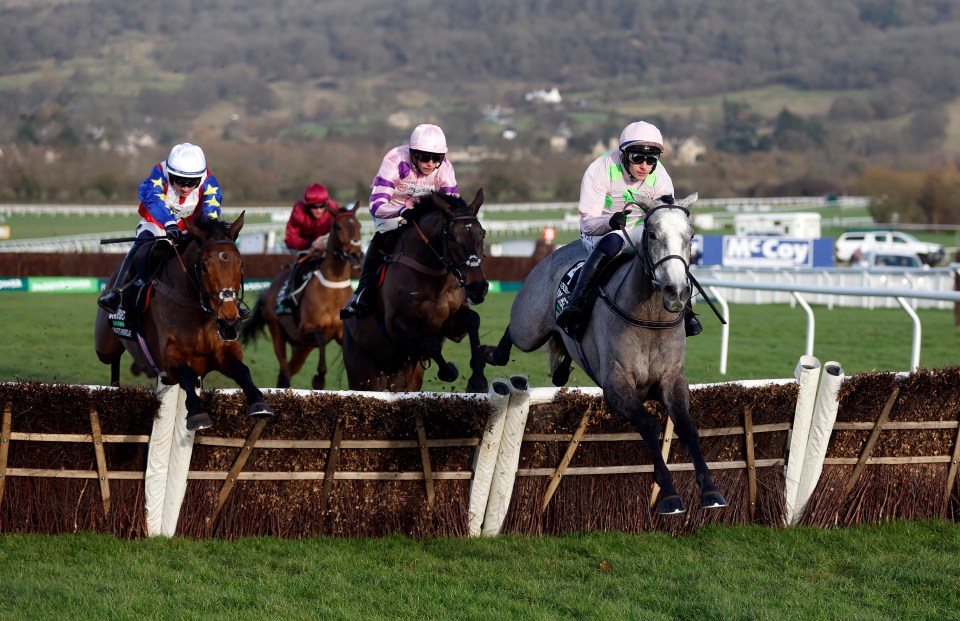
(307, 229)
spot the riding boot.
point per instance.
(110, 299)
(360, 302)
(285, 295)
(572, 316)
(690, 322)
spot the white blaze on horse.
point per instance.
(634, 345)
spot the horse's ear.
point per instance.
(689, 200)
(192, 228)
(643, 203)
(236, 226)
(350, 206)
(477, 201)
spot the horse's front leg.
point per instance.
(499, 355)
(197, 416)
(623, 400)
(229, 360)
(676, 399)
(469, 321)
(320, 340)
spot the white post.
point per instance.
(485, 457)
(807, 372)
(821, 428)
(168, 462)
(508, 458)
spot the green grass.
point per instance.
(891, 571)
(49, 337)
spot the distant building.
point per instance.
(543, 96)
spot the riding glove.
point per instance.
(174, 233)
(618, 221)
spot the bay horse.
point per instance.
(428, 282)
(315, 321)
(634, 344)
(191, 322)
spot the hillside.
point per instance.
(798, 97)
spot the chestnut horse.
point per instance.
(191, 322)
(428, 282)
(315, 320)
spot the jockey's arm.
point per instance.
(211, 197)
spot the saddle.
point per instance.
(568, 283)
(135, 298)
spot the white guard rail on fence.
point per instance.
(900, 295)
(497, 455)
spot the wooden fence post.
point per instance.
(951, 476)
(425, 458)
(665, 452)
(871, 442)
(332, 459)
(97, 439)
(567, 457)
(242, 456)
(751, 461)
(5, 429)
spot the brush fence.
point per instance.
(820, 449)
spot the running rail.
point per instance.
(900, 295)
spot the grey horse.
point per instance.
(634, 344)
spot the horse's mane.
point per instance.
(429, 203)
(213, 227)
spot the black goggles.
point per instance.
(426, 156)
(184, 182)
(635, 157)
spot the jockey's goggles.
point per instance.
(317, 205)
(426, 156)
(184, 182)
(642, 158)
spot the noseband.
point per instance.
(226, 294)
(455, 269)
(648, 265)
(336, 246)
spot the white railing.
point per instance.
(795, 290)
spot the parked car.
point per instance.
(891, 258)
(848, 245)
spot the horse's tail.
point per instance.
(253, 326)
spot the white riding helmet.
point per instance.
(186, 160)
(641, 134)
(428, 138)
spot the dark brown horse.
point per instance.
(315, 320)
(191, 323)
(432, 276)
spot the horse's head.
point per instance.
(665, 248)
(344, 240)
(218, 272)
(463, 237)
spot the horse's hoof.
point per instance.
(478, 386)
(318, 382)
(260, 410)
(712, 500)
(198, 421)
(449, 373)
(561, 375)
(671, 505)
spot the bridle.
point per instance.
(649, 268)
(457, 270)
(648, 265)
(227, 294)
(335, 245)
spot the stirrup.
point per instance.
(692, 326)
(114, 306)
